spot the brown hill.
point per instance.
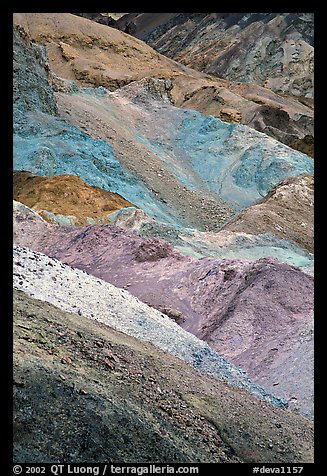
(287, 211)
(68, 196)
(91, 53)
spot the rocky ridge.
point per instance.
(210, 266)
(147, 409)
(223, 244)
(287, 210)
(78, 292)
(36, 152)
(200, 153)
(66, 199)
(270, 49)
(238, 307)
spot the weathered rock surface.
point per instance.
(75, 291)
(282, 117)
(171, 192)
(222, 244)
(270, 49)
(66, 198)
(98, 118)
(93, 54)
(200, 153)
(108, 19)
(90, 54)
(131, 402)
(46, 145)
(255, 313)
(31, 88)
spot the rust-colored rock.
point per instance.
(68, 196)
(286, 211)
(305, 145)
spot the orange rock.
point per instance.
(66, 195)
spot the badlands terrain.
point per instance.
(163, 237)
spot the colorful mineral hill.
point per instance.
(271, 49)
(172, 172)
(88, 54)
(45, 144)
(221, 244)
(93, 54)
(230, 162)
(239, 307)
(163, 237)
(66, 198)
(77, 291)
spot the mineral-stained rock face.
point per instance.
(287, 211)
(47, 145)
(108, 19)
(202, 153)
(281, 117)
(224, 243)
(93, 54)
(230, 115)
(154, 140)
(239, 307)
(271, 49)
(305, 145)
(66, 197)
(90, 54)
